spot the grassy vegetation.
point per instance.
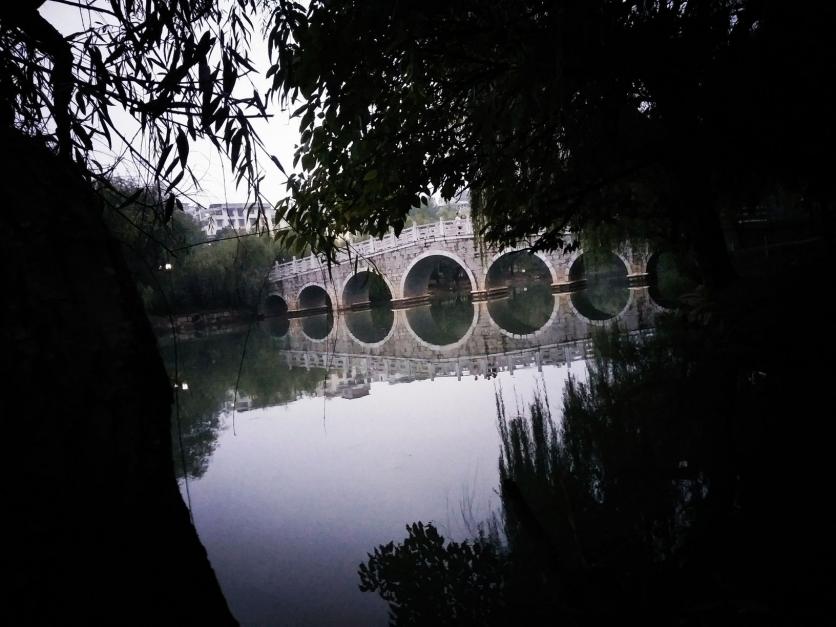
(681, 483)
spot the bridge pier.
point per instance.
(405, 303)
(487, 294)
(568, 286)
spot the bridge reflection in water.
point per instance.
(454, 337)
(526, 310)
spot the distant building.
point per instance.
(241, 217)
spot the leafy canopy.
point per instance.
(178, 68)
(555, 114)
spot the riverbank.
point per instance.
(201, 323)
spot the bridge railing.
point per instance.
(554, 354)
(435, 231)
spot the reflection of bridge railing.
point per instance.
(397, 368)
(437, 231)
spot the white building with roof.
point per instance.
(241, 217)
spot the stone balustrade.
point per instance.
(442, 230)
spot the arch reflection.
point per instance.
(314, 297)
(279, 326)
(319, 326)
(370, 326)
(526, 310)
(606, 293)
(442, 322)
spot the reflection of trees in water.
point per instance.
(525, 311)
(210, 367)
(607, 508)
(653, 500)
(442, 322)
(319, 326)
(428, 581)
(370, 325)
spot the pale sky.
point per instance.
(279, 134)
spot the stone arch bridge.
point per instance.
(405, 263)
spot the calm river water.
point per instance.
(346, 428)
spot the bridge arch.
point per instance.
(275, 305)
(571, 262)
(510, 251)
(352, 292)
(415, 278)
(313, 296)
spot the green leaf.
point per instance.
(308, 161)
(205, 77)
(176, 180)
(163, 157)
(182, 147)
(275, 160)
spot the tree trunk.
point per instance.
(99, 531)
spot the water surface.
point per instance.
(346, 427)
